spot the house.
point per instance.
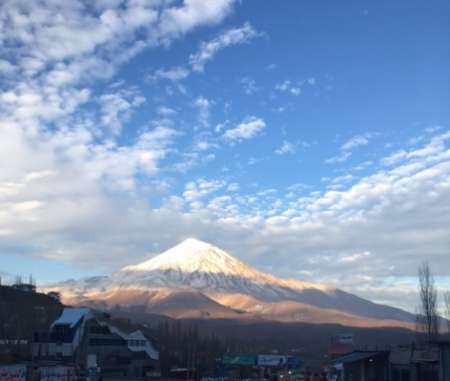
(64, 337)
(93, 340)
(363, 366)
(426, 362)
(400, 361)
(120, 348)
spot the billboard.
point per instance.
(57, 373)
(13, 373)
(346, 339)
(272, 360)
(279, 361)
(293, 362)
(238, 359)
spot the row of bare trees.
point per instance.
(428, 319)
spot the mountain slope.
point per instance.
(169, 302)
(199, 267)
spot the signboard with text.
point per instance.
(272, 360)
(57, 373)
(13, 373)
(238, 359)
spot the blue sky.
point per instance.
(309, 139)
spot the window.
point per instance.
(106, 342)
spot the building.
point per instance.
(413, 363)
(120, 348)
(363, 366)
(27, 287)
(426, 362)
(94, 340)
(400, 361)
(64, 337)
(444, 369)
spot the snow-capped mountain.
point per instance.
(193, 255)
(194, 267)
(194, 264)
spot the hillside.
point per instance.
(22, 313)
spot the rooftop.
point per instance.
(71, 316)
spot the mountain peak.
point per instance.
(193, 244)
(193, 255)
(209, 263)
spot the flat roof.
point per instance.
(356, 356)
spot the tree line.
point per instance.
(183, 346)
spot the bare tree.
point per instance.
(447, 309)
(428, 317)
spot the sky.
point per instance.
(310, 139)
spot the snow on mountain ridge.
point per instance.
(195, 256)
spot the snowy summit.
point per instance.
(201, 264)
(193, 255)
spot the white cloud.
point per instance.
(6, 67)
(166, 111)
(247, 129)
(203, 106)
(199, 189)
(343, 156)
(219, 127)
(295, 88)
(208, 50)
(347, 148)
(287, 86)
(116, 109)
(26, 206)
(172, 74)
(179, 20)
(286, 148)
(205, 53)
(249, 86)
(355, 141)
(191, 159)
(354, 257)
(63, 187)
(233, 187)
(436, 145)
(204, 145)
